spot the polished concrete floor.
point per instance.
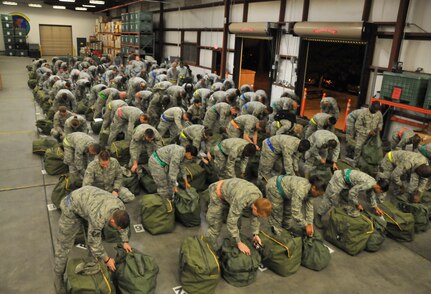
(28, 229)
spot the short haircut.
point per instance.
(75, 122)
(149, 133)
(104, 155)
(67, 84)
(269, 109)
(192, 149)
(145, 116)
(62, 109)
(262, 124)
(416, 139)
(197, 100)
(332, 143)
(332, 120)
(96, 148)
(236, 108)
(375, 106)
(121, 218)
(304, 145)
(384, 184)
(63, 96)
(188, 115)
(263, 207)
(424, 171)
(249, 150)
(318, 184)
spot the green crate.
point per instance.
(146, 40)
(8, 32)
(125, 27)
(124, 17)
(7, 24)
(10, 52)
(144, 16)
(141, 26)
(20, 32)
(6, 18)
(413, 87)
(20, 40)
(9, 40)
(427, 102)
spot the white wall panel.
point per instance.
(336, 10)
(190, 37)
(212, 39)
(289, 45)
(206, 58)
(382, 52)
(173, 37)
(385, 10)
(293, 10)
(229, 62)
(171, 51)
(265, 11)
(236, 13)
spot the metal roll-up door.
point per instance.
(56, 40)
(354, 31)
(256, 30)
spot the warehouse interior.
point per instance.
(267, 44)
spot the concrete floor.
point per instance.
(28, 228)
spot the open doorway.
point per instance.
(333, 69)
(256, 63)
(216, 61)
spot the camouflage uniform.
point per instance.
(204, 94)
(237, 195)
(350, 123)
(282, 127)
(58, 127)
(76, 151)
(83, 127)
(108, 76)
(331, 108)
(292, 205)
(217, 97)
(217, 86)
(104, 97)
(94, 93)
(164, 165)
(228, 84)
(196, 113)
(126, 115)
(284, 103)
(138, 143)
(110, 110)
(246, 125)
(133, 87)
(172, 120)
(401, 138)
(425, 150)
(226, 153)
(365, 123)
(144, 100)
(69, 102)
(176, 94)
(155, 109)
(183, 73)
(192, 135)
(93, 205)
(273, 148)
(353, 181)
(320, 121)
(217, 115)
(108, 179)
(172, 75)
(317, 152)
(81, 89)
(400, 164)
(255, 108)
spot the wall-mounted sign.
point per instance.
(20, 21)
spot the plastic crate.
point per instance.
(407, 88)
(9, 40)
(8, 32)
(427, 102)
(141, 26)
(23, 53)
(124, 27)
(124, 17)
(7, 24)
(20, 40)
(10, 52)
(6, 17)
(9, 46)
(144, 16)
(146, 40)
(20, 32)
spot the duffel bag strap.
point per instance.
(394, 221)
(279, 188)
(370, 222)
(279, 243)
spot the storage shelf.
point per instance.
(403, 106)
(127, 45)
(109, 33)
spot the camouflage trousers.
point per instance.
(267, 161)
(164, 126)
(117, 126)
(214, 216)
(69, 159)
(350, 130)
(394, 141)
(211, 122)
(220, 161)
(360, 141)
(281, 216)
(161, 177)
(311, 128)
(125, 195)
(233, 132)
(154, 112)
(57, 134)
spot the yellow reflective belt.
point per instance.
(390, 156)
(313, 121)
(183, 135)
(65, 142)
(278, 125)
(109, 106)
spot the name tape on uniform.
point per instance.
(139, 228)
(179, 290)
(51, 207)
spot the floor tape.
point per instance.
(24, 187)
(17, 132)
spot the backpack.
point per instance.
(103, 137)
(348, 233)
(377, 238)
(371, 155)
(44, 126)
(420, 213)
(79, 283)
(199, 266)
(96, 127)
(132, 183)
(81, 107)
(315, 255)
(65, 185)
(39, 146)
(158, 216)
(195, 176)
(239, 269)
(53, 161)
(135, 272)
(285, 114)
(32, 83)
(147, 181)
(188, 207)
(281, 253)
(120, 151)
(400, 225)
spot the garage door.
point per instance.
(55, 40)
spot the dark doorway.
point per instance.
(216, 62)
(256, 63)
(80, 43)
(333, 69)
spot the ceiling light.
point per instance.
(9, 3)
(34, 5)
(58, 7)
(97, 2)
(81, 8)
(67, 0)
(89, 6)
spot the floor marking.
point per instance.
(17, 132)
(51, 207)
(24, 187)
(81, 246)
(43, 172)
(179, 290)
(139, 228)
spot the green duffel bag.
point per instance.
(426, 200)
(65, 185)
(237, 268)
(377, 238)
(371, 155)
(195, 176)
(281, 253)
(135, 272)
(341, 164)
(103, 137)
(89, 114)
(131, 181)
(400, 225)
(315, 255)
(323, 172)
(40, 96)
(120, 151)
(32, 75)
(50, 113)
(39, 146)
(420, 213)
(84, 284)
(348, 233)
(53, 161)
(96, 127)
(199, 266)
(210, 172)
(111, 235)
(32, 83)
(81, 107)
(158, 216)
(367, 168)
(147, 181)
(187, 207)
(44, 126)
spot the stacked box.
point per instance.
(407, 88)
(14, 38)
(427, 102)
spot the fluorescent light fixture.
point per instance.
(67, 0)
(97, 2)
(34, 5)
(58, 7)
(89, 6)
(81, 8)
(9, 3)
